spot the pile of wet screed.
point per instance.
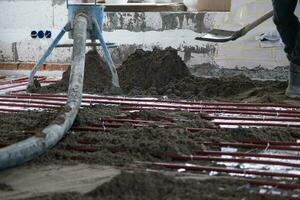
(163, 73)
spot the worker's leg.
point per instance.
(289, 28)
(287, 24)
(295, 56)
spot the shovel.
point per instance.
(219, 35)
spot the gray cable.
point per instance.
(34, 146)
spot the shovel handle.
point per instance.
(257, 22)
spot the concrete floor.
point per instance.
(30, 181)
(54, 74)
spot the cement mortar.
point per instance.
(97, 77)
(163, 73)
(153, 186)
(150, 186)
(17, 127)
(238, 88)
(146, 69)
(127, 144)
(279, 73)
(5, 187)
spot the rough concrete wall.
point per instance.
(137, 22)
(141, 30)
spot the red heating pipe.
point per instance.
(249, 145)
(288, 186)
(216, 123)
(14, 81)
(206, 109)
(22, 84)
(32, 101)
(266, 143)
(252, 118)
(13, 86)
(203, 110)
(257, 113)
(22, 80)
(179, 102)
(164, 125)
(224, 170)
(190, 108)
(22, 96)
(29, 106)
(255, 124)
(117, 125)
(92, 129)
(46, 98)
(108, 127)
(24, 90)
(243, 154)
(251, 113)
(235, 160)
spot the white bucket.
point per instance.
(208, 5)
(191, 5)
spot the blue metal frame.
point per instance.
(94, 14)
(46, 55)
(92, 11)
(107, 56)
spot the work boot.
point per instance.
(293, 90)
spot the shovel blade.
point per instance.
(218, 35)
